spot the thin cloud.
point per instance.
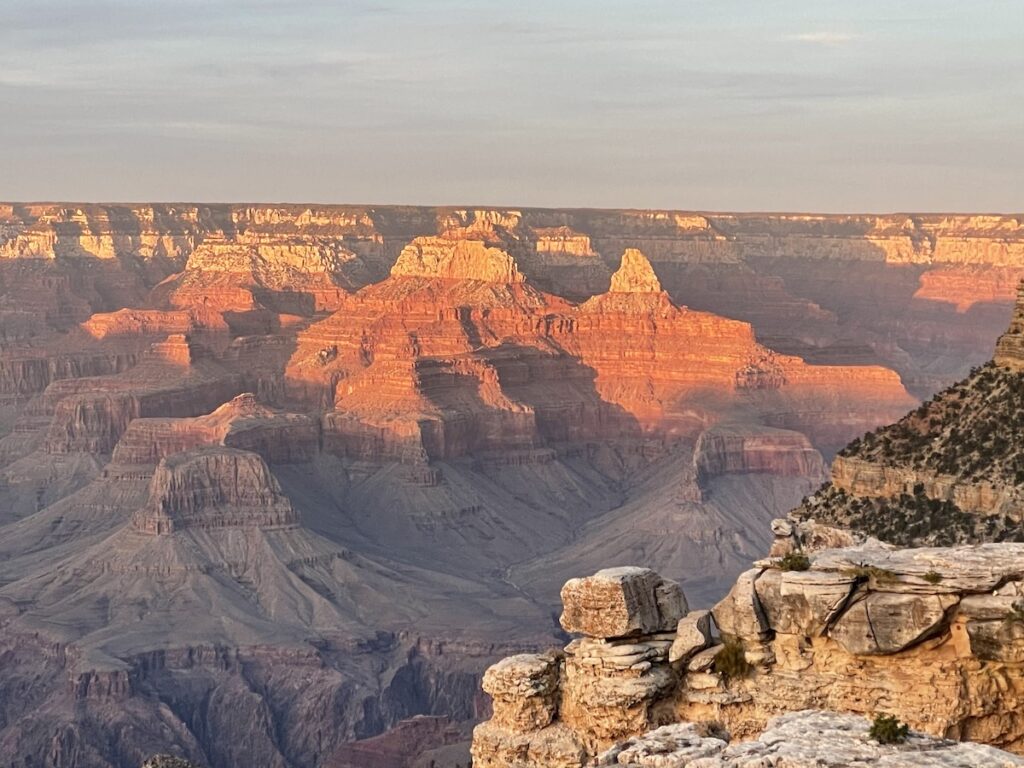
(823, 38)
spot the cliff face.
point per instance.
(264, 468)
(834, 620)
(948, 472)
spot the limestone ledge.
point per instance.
(933, 636)
(866, 478)
(807, 739)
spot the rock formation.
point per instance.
(555, 709)
(1010, 347)
(274, 478)
(242, 423)
(806, 739)
(928, 635)
(214, 488)
(947, 472)
(833, 620)
(635, 274)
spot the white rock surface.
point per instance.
(808, 739)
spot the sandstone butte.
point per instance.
(833, 621)
(274, 479)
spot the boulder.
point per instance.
(693, 634)
(740, 613)
(802, 602)
(620, 602)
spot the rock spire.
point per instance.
(635, 274)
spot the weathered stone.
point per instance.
(802, 602)
(693, 634)
(740, 613)
(808, 739)
(619, 602)
(885, 623)
(704, 660)
(523, 689)
(999, 640)
(553, 747)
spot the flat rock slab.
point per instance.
(977, 568)
(808, 739)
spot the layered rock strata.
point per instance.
(243, 423)
(472, 415)
(214, 488)
(931, 636)
(557, 708)
(450, 345)
(1010, 347)
(947, 472)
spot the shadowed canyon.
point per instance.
(275, 479)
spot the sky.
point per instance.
(758, 105)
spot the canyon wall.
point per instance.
(294, 465)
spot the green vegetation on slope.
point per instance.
(972, 432)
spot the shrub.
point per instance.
(932, 577)
(1016, 613)
(886, 729)
(731, 662)
(793, 561)
(880, 575)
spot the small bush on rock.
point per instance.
(886, 729)
(933, 577)
(879, 575)
(793, 561)
(731, 662)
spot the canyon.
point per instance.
(275, 479)
(854, 612)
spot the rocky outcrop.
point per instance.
(456, 259)
(932, 636)
(902, 627)
(1010, 347)
(945, 473)
(731, 449)
(635, 274)
(176, 377)
(556, 709)
(214, 488)
(808, 739)
(859, 477)
(242, 423)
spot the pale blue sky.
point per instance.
(859, 105)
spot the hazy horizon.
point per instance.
(512, 206)
(824, 107)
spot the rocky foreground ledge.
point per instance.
(808, 739)
(934, 637)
